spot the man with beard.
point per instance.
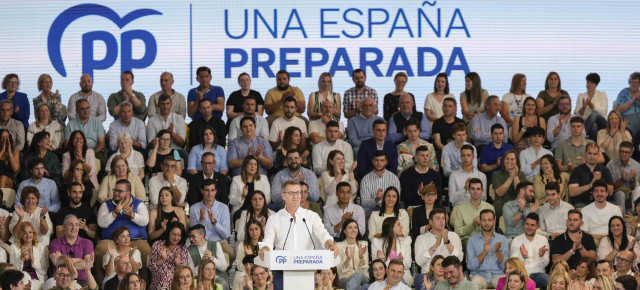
(332, 142)
(376, 182)
(123, 210)
(248, 110)
(47, 187)
(574, 243)
(487, 252)
(280, 125)
(583, 177)
(598, 213)
(454, 277)
(88, 222)
(353, 97)
(558, 126)
(514, 211)
(275, 97)
(294, 172)
(98, 105)
(127, 95)
(70, 244)
(533, 249)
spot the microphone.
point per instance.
(310, 236)
(285, 239)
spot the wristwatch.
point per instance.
(447, 242)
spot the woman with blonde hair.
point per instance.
(120, 170)
(515, 265)
(58, 110)
(604, 282)
(45, 123)
(610, 138)
(29, 255)
(559, 280)
(183, 279)
(207, 276)
(325, 93)
(133, 157)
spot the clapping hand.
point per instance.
(44, 211)
(542, 251)
(18, 210)
(362, 250)
(349, 253)
(523, 251)
(497, 247)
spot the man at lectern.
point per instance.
(294, 228)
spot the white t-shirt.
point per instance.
(432, 104)
(281, 124)
(596, 221)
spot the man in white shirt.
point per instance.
(249, 110)
(322, 149)
(166, 120)
(554, 213)
(170, 179)
(317, 127)
(437, 241)
(335, 215)
(530, 157)
(395, 271)
(459, 179)
(304, 226)
(451, 160)
(533, 249)
(558, 126)
(597, 214)
(202, 249)
(276, 134)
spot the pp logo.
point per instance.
(281, 259)
(89, 64)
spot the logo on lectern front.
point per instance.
(281, 259)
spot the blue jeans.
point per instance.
(593, 124)
(618, 198)
(634, 123)
(278, 283)
(541, 279)
(354, 282)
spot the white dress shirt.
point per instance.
(425, 241)
(219, 259)
(158, 182)
(375, 222)
(333, 216)
(554, 220)
(237, 187)
(322, 150)
(300, 237)
(457, 193)
(528, 156)
(533, 263)
(105, 218)
(383, 284)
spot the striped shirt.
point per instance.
(369, 188)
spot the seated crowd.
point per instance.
(520, 193)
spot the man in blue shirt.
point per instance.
(360, 127)
(205, 91)
(210, 213)
(486, 253)
(481, 123)
(47, 187)
(297, 172)
(491, 155)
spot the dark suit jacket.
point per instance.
(365, 157)
(196, 183)
(112, 283)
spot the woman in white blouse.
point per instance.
(32, 213)
(616, 241)
(245, 184)
(433, 101)
(390, 208)
(256, 208)
(122, 238)
(353, 269)
(29, 255)
(45, 123)
(592, 106)
(335, 174)
(393, 245)
(133, 157)
(248, 245)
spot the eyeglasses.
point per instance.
(625, 152)
(429, 194)
(64, 276)
(620, 260)
(259, 274)
(118, 191)
(291, 193)
(165, 139)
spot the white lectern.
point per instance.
(298, 267)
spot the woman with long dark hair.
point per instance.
(617, 240)
(166, 255)
(433, 101)
(292, 140)
(9, 160)
(549, 172)
(77, 173)
(208, 144)
(336, 173)
(162, 149)
(528, 119)
(328, 279)
(354, 266)
(77, 150)
(390, 208)
(255, 209)
(253, 234)
(39, 148)
(166, 213)
(377, 273)
(392, 245)
(473, 97)
(244, 185)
